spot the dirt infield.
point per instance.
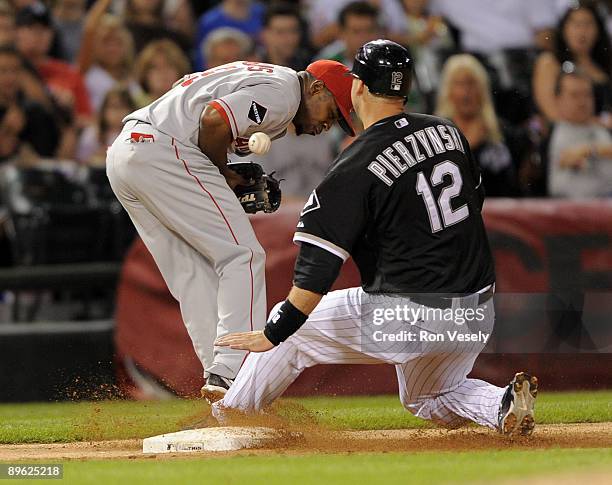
(591, 435)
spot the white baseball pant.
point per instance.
(432, 376)
(199, 235)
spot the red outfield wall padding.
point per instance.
(554, 276)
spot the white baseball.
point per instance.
(259, 143)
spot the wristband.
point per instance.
(284, 323)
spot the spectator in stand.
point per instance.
(19, 4)
(178, 15)
(487, 27)
(428, 37)
(55, 50)
(95, 140)
(580, 150)
(359, 24)
(145, 20)
(464, 98)
(34, 38)
(69, 96)
(106, 57)
(244, 15)
(581, 40)
(604, 7)
(158, 66)
(323, 19)
(68, 18)
(282, 37)
(226, 45)
(7, 23)
(421, 27)
(24, 124)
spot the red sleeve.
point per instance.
(81, 96)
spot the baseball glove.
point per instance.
(261, 192)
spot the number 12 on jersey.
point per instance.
(442, 207)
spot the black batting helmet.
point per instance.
(385, 68)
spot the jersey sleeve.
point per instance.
(334, 216)
(261, 107)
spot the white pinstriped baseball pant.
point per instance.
(432, 376)
(199, 235)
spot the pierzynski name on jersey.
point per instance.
(433, 140)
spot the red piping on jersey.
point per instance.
(219, 109)
(232, 114)
(226, 222)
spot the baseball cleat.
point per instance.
(215, 388)
(517, 406)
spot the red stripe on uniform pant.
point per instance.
(251, 271)
(178, 157)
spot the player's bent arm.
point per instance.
(304, 300)
(214, 139)
(316, 269)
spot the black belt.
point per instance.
(435, 301)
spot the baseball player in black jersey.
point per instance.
(404, 201)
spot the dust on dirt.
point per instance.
(314, 439)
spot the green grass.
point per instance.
(82, 421)
(62, 422)
(386, 412)
(420, 468)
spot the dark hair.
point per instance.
(601, 53)
(359, 9)
(130, 12)
(125, 97)
(35, 13)
(570, 71)
(281, 9)
(10, 50)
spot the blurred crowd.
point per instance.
(528, 82)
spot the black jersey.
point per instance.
(404, 200)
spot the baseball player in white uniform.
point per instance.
(168, 167)
(404, 200)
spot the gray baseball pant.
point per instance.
(198, 234)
